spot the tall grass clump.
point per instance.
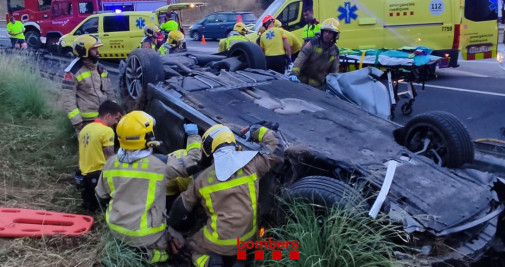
(341, 237)
(23, 93)
(116, 253)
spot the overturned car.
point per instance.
(451, 211)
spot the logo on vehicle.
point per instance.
(259, 246)
(493, 5)
(347, 12)
(140, 23)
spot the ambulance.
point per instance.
(446, 26)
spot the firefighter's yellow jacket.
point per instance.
(315, 62)
(231, 205)
(84, 87)
(137, 190)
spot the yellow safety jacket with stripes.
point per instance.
(85, 86)
(136, 211)
(231, 205)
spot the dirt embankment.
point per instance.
(192, 16)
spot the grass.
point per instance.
(340, 238)
(38, 156)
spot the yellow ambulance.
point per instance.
(120, 33)
(446, 26)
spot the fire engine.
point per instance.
(46, 21)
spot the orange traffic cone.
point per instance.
(203, 39)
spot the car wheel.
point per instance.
(33, 39)
(326, 192)
(143, 66)
(196, 36)
(441, 137)
(249, 53)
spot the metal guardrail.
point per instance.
(50, 63)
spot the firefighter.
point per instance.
(96, 145)
(312, 25)
(275, 44)
(85, 83)
(319, 57)
(174, 43)
(236, 36)
(151, 34)
(134, 182)
(170, 24)
(228, 190)
(16, 30)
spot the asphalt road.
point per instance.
(474, 92)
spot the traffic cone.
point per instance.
(203, 40)
(239, 18)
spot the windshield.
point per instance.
(270, 10)
(15, 5)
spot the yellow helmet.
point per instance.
(331, 25)
(175, 37)
(215, 137)
(277, 23)
(240, 28)
(135, 130)
(151, 30)
(84, 43)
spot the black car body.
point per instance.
(451, 214)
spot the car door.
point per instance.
(206, 23)
(115, 35)
(214, 25)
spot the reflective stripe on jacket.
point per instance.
(230, 41)
(85, 86)
(137, 190)
(231, 205)
(311, 29)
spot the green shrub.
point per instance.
(339, 238)
(23, 93)
(116, 253)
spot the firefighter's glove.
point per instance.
(191, 129)
(176, 240)
(293, 78)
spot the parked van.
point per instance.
(120, 33)
(469, 26)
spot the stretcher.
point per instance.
(398, 66)
(26, 222)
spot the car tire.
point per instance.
(143, 66)
(196, 36)
(325, 191)
(33, 39)
(249, 53)
(448, 137)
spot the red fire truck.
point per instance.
(46, 21)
